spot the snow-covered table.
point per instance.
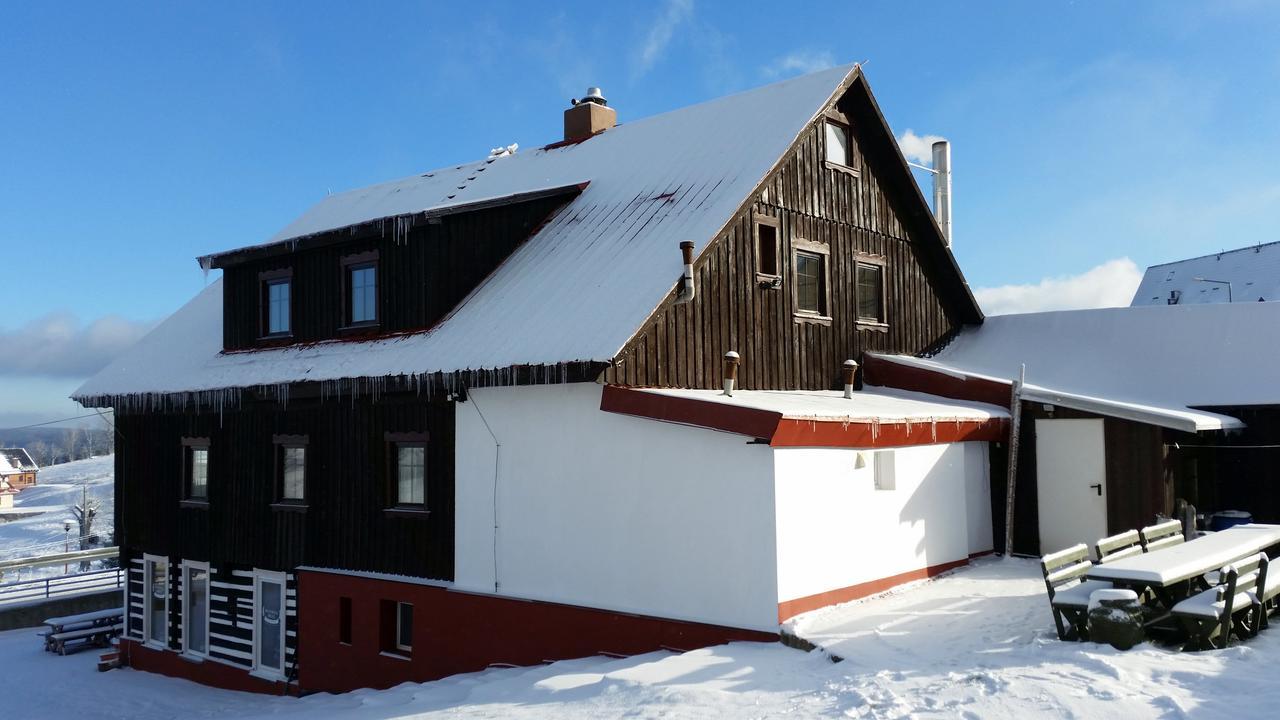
(1173, 565)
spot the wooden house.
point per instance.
(1125, 412)
(17, 468)
(480, 415)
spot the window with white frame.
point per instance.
(269, 623)
(156, 600)
(195, 608)
(404, 627)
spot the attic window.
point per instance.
(360, 289)
(839, 152)
(277, 303)
(766, 247)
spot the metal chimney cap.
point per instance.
(593, 96)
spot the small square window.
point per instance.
(767, 246)
(404, 627)
(291, 468)
(195, 469)
(870, 292)
(838, 145)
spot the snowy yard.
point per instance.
(977, 643)
(42, 509)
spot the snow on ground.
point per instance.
(977, 643)
(49, 504)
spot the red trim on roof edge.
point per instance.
(887, 373)
(788, 432)
(686, 411)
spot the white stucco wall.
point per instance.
(835, 529)
(978, 496)
(610, 511)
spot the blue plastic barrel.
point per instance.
(1229, 518)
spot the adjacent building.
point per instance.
(1249, 274)
(17, 469)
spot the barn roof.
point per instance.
(1161, 365)
(16, 460)
(574, 292)
(1254, 274)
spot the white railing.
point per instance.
(60, 585)
(65, 558)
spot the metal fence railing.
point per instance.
(60, 585)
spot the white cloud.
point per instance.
(918, 148)
(60, 345)
(655, 44)
(799, 62)
(1110, 284)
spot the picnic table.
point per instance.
(1173, 572)
(91, 628)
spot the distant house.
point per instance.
(478, 415)
(17, 468)
(1249, 274)
(6, 494)
(1125, 411)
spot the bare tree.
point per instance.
(84, 513)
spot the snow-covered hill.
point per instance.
(38, 530)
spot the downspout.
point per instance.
(497, 458)
(686, 291)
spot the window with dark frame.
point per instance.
(291, 469)
(870, 292)
(344, 620)
(810, 264)
(408, 471)
(766, 246)
(839, 150)
(195, 462)
(360, 289)
(277, 303)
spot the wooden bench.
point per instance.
(1231, 607)
(99, 635)
(1161, 535)
(60, 630)
(1069, 592)
(1119, 547)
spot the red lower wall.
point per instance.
(791, 608)
(208, 672)
(457, 632)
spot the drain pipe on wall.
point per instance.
(497, 458)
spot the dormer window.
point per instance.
(360, 289)
(277, 303)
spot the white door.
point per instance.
(1071, 483)
(268, 631)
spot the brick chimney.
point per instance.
(588, 116)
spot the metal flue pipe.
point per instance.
(850, 371)
(731, 359)
(942, 187)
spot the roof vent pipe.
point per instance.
(686, 292)
(942, 187)
(850, 371)
(730, 371)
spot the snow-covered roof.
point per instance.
(876, 417)
(1254, 274)
(1154, 364)
(16, 460)
(871, 405)
(597, 269)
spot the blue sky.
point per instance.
(134, 137)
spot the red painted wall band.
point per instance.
(687, 411)
(455, 632)
(886, 373)
(791, 608)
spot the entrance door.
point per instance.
(268, 630)
(1071, 483)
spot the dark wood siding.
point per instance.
(420, 279)
(849, 214)
(347, 487)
